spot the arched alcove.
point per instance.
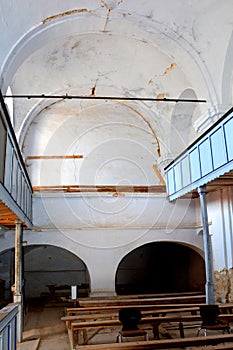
(7, 259)
(44, 265)
(160, 267)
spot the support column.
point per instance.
(18, 297)
(207, 247)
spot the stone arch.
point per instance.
(160, 267)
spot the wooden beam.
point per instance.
(101, 188)
(7, 217)
(157, 172)
(73, 156)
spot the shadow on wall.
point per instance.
(161, 267)
(50, 270)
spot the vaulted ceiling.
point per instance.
(131, 49)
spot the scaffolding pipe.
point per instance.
(94, 97)
(207, 247)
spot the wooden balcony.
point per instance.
(15, 186)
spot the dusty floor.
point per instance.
(44, 328)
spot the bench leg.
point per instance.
(156, 330)
(181, 328)
(119, 338)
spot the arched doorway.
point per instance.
(160, 267)
(46, 266)
(43, 266)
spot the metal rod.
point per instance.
(207, 247)
(94, 97)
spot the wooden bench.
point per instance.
(141, 296)
(106, 309)
(163, 344)
(54, 288)
(146, 301)
(154, 322)
(76, 316)
(225, 308)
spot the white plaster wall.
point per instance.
(194, 26)
(124, 211)
(100, 257)
(101, 237)
(219, 205)
(139, 48)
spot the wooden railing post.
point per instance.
(18, 297)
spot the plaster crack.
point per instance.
(107, 19)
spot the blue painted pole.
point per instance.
(207, 247)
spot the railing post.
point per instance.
(18, 298)
(207, 247)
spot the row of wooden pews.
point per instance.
(180, 311)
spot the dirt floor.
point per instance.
(43, 328)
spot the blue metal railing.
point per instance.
(8, 327)
(209, 157)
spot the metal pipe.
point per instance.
(94, 97)
(207, 247)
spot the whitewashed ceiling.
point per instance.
(172, 49)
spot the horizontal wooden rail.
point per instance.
(162, 344)
(73, 156)
(145, 301)
(100, 188)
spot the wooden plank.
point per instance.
(153, 321)
(155, 308)
(98, 316)
(7, 217)
(162, 344)
(101, 188)
(145, 301)
(217, 347)
(141, 296)
(226, 307)
(73, 156)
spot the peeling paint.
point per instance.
(169, 69)
(75, 45)
(63, 14)
(162, 95)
